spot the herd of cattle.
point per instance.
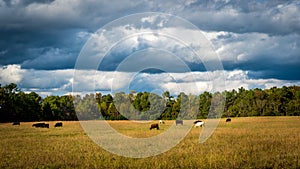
(197, 123)
(41, 125)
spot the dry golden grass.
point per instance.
(139, 129)
(256, 142)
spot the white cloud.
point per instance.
(11, 74)
(239, 48)
(61, 81)
(62, 9)
(149, 19)
(46, 79)
(232, 48)
(90, 80)
(185, 42)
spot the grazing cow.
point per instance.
(46, 126)
(161, 122)
(153, 126)
(58, 124)
(16, 123)
(199, 123)
(179, 122)
(38, 124)
(228, 120)
(41, 125)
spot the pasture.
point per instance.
(250, 142)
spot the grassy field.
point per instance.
(256, 142)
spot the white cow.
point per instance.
(199, 124)
(161, 122)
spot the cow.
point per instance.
(228, 120)
(161, 122)
(179, 122)
(153, 126)
(58, 124)
(41, 125)
(38, 124)
(16, 123)
(198, 123)
(46, 126)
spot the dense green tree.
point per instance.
(16, 105)
(46, 111)
(67, 108)
(28, 107)
(8, 102)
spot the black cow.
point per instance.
(38, 124)
(16, 123)
(153, 126)
(58, 124)
(46, 126)
(179, 122)
(41, 125)
(197, 121)
(228, 120)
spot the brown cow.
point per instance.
(153, 126)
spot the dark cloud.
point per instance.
(11, 3)
(275, 18)
(281, 72)
(266, 70)
(36, 49)
(219, 15)
(50, 58)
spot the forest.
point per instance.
(16, 105)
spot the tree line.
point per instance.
(16, 105)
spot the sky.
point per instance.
(257, 43)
